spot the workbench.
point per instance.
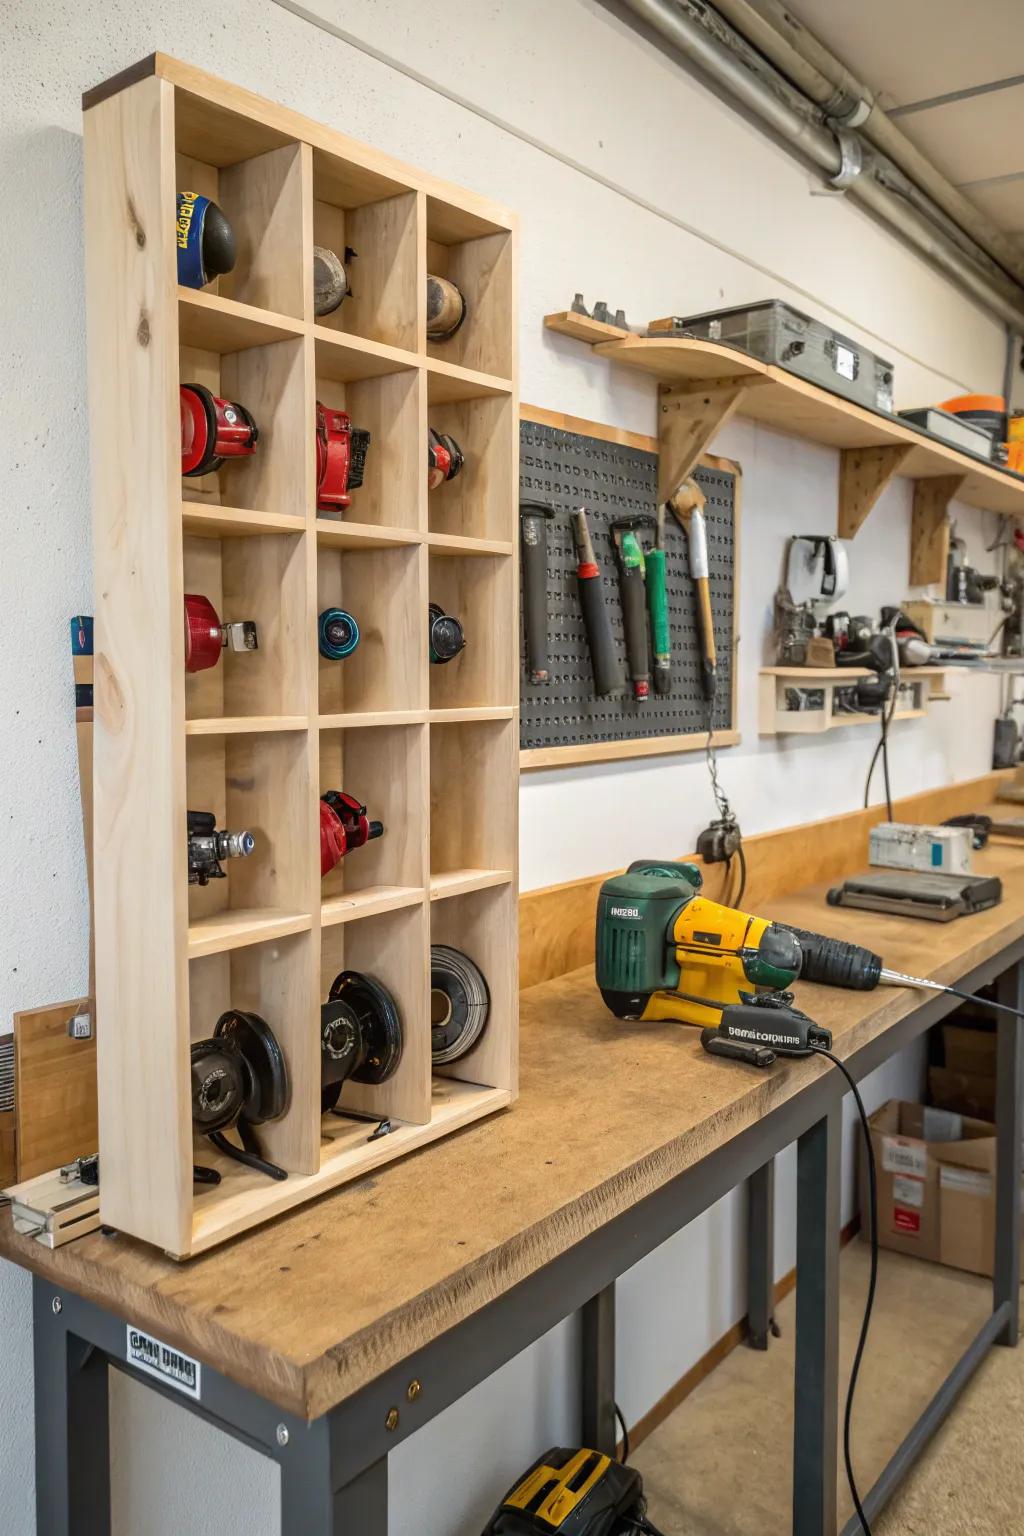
(329, 1336)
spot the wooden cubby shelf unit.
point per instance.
(801, 701)
(256, 738)
(703, 384)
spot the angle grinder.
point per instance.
(344, 826)
(574, 1492)
(213, 430)
(444, 458)
(206, 636)
(459, 1004)
(445, 635)
(239, 1080)
(446, 308)
(205, 240)
(360, 1035)
(341, 451)
(330, 279)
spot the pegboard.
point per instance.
(612, 478)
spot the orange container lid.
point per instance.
(973, 403)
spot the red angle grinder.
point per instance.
(213, 430)
(444, 458)
(343, 826)
(340, 458)
(206, 636)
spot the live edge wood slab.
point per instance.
(309, 1309)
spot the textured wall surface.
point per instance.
(634, 184)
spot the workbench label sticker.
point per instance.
(166, 1364)
(910, 1157)
(907, 1191)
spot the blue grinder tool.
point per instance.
(205, 240)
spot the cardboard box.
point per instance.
(970, 1049)
(965, 1093)
(936, 1185)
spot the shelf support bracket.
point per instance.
(688, 418)
(929, 528)
(864, 473)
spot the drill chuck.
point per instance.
(837, 963)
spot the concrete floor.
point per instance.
(720, 1465)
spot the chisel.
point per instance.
(657, 602)
(534, 517)
(687, 505)
(634, 604)
(604, 662)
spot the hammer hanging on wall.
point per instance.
(687, 505)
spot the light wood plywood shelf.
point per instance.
(257, 737)
(704, 383)
(816, 687)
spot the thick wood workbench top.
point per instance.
(310, 1308)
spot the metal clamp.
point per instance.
(851, 156)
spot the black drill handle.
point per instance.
(634, 620)
(604, 660)
(836, 963)
(534, 517)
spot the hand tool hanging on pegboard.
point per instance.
(657, 601)
(632, 592)
(687, 505)
(604, 660)
(534, 517)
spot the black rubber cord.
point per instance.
(872, 1284)
(625, 1435)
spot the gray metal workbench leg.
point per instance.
(761, 1256)
(1009, 1127)
(312, 1506)
(816, 1383)
(72, 1427)
(598, 1316)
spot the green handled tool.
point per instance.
(634, 605)
(657, 602)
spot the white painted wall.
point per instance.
(634, 184)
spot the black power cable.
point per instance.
(872, 1285)
(625, 1435)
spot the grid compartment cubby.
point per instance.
(431, 751)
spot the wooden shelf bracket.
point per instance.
(688, 418)
(929, 529)
(864, 473)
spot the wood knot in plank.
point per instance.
(136, 223)
(143, 333)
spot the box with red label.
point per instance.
(912, 1142)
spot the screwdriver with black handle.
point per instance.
(604, 661)
(632, 595)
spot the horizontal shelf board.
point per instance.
(791, 405)
(208, 520)
(812, 723)
(346, 359)
(337, 534)
(470, 713)
(582, 328)
(214, 324)
(845, 674)
(532, 758)
(456, 544)
(347, 1153)
(351, 905)
(357, 720)
(246, 925)
(238, 725)
(455, 882)
(448, 383)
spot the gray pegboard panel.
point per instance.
(570, 470)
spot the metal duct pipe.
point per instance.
(818, 144)
(826, 80)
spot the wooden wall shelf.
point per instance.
(777, 718)
(256, 738)
(705, 383)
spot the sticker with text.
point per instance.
(905, 1221)
(908, 1191)
(910, 1157)
(166, 1364)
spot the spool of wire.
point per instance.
(337, 634)
(459, 1004)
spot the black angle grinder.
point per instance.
(239, 1080)
(207, 847)
(570, 1492)
(459, 1004)
(444, 458)
(445, 635)
(360, 1036)
(205, 241)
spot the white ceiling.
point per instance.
(910, 52)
